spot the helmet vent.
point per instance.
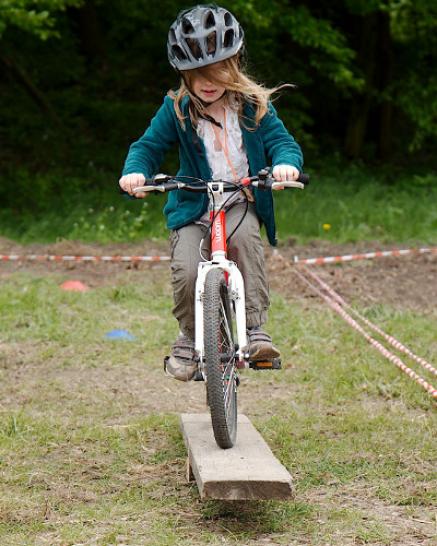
(172, 37)
(211, 42)
(203, 35)
(195, 48)
(187, 27)
(209, 20)
(228, 40)
(228, 19)
(179, 53)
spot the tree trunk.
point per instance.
(386, 77)
(366, 59)
(88, 27)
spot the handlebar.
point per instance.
(263, 181)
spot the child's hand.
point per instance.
(285, 173)
(130, 181)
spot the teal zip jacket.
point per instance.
(270, 142)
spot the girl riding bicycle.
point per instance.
(226, 129)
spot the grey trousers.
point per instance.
(245, 248)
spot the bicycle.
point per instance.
(220, 312)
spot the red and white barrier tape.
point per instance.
(392, 340)
(301, 261)
(95, 259)
(389, 355)
(366, 256)
(334, 300)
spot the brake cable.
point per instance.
(209, 228)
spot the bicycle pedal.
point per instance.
(274, 364)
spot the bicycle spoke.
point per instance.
(230, 385)
(224, 321)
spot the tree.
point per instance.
(414, 30)
(36, 18)
(31, 16)
(364, 71)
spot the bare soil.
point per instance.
(408, 282)
(403, 282)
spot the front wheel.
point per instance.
(219, 351)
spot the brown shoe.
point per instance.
(182, 362)
(260, 345)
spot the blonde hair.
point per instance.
(232, 77)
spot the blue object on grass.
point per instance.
(120, 334)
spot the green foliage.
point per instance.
(419, 103)
(358, 205)
(413, 19)
(414, 26)
(319, 35)
(326, 47)
(88, 210)
(109, 224)
(35, 17)
(83, 79)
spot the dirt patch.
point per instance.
(402, 282)
(7, 246)
(93, 274)
(114, 394)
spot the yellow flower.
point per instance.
(326, 227)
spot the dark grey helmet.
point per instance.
(203, 35)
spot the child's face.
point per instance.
(205, 89)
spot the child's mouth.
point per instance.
(208, 93)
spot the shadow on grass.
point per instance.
(249, 518)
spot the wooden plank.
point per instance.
(247, 471)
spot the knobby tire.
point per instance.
(221, 379)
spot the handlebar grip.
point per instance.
(147, 181)
(304, 178)
(124, 193)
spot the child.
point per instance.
(226, 129)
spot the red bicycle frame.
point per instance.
(218, 232)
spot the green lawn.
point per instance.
(346, 205)
(90, 449)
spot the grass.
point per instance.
(340, 205)
(90, 450)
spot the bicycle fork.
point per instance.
(234, 279)
(236, 293)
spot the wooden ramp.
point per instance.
(249, 470)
